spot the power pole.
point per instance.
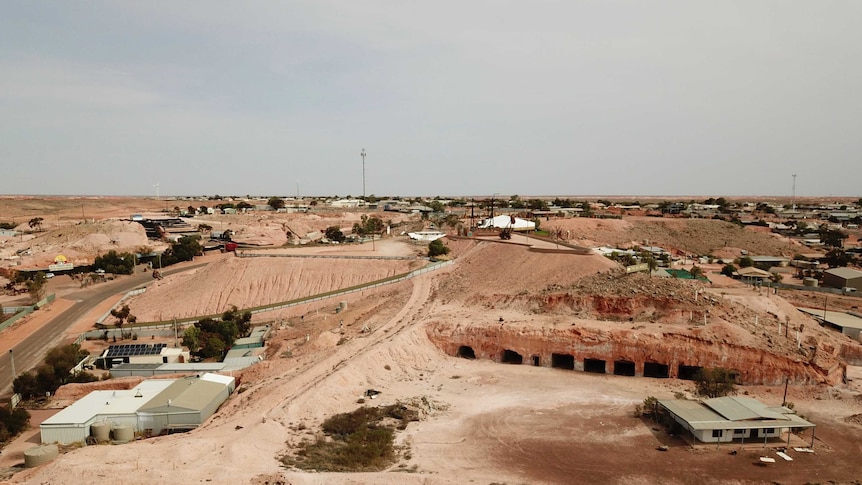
(793, 199)
(363, 172)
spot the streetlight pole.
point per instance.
(12, 358)
(363, 172)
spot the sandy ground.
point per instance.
(486, 422)
(483, 422)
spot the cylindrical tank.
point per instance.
(101, 431)
(123, 434)
(40, 455)
(809, 282)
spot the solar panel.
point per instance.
(129, 350)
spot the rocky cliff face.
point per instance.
(614, 351)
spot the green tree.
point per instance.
(537, 204)
(36, 223)
(12, 422)
(696, 271)
(36, 286)
(121, 315)
(728, 270)
(276, 203)
(116, 263)
(53, 372)
(244, 205)
(837, 258)
(369, 225)
(191, 338)
(26, 385)
(333, 233)
(191, 210)
(833, 238)
(651, 262)
(746, 262)
(715, 382)
(436, 206)
(185, 249)
(437, 248)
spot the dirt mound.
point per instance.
(698, 236)
(79, 243)
(70, 393)
(854, 419)
(249, 282)
(492, 268)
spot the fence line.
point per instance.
(325, 256)
(26, 310)
(129, 294)
(183, 322)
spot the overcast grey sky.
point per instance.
(448, 97)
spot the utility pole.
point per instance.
(363, 172)
(793, 199)
(12, 358)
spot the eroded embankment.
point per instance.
(634, 353)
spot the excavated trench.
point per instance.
(631, 353)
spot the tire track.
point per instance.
(320, 372)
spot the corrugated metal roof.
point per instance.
(839, 319)
(193, 367)
(109, 402)
(130, 367)
(741, 408)
(699, 416)
(239, 363)
(846, 273)
(194, 394)
(692, 412)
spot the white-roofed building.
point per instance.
(72, 425)
(149, 408)
(508, 222)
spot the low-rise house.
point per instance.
(141, 354)
(734, 419)
(752, 274)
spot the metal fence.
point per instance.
(175, 324)
(326, 256)
(26, 310)
(136, 291)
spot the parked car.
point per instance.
(51, 275)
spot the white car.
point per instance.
(49, 275)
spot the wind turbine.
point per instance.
(156, 186)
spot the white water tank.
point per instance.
(40, 455)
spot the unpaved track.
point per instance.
(314, 377)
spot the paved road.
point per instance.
(30, 351)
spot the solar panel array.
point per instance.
(135, 349)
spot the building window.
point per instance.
(739, 431)
(770, 430)
(717, 433)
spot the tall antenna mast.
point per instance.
(157, 190)
(363, 172)
(793, 200)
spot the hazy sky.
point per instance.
(448, 97)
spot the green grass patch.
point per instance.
(359, 441)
